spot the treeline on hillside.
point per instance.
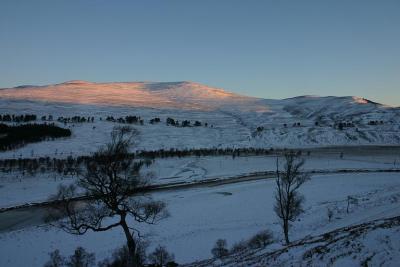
(184, 123)
(66, 166)
(17, 118)
(75, 119)
(12, 137)
(70, 164)
(130, 119)
(169, 121)
(126, 119)
(234, 152)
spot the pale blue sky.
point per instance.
(270, 49)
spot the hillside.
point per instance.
(233, 120)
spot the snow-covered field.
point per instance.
(16, 189)
(199, 216)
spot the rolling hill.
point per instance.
(233, 120)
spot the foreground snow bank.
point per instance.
(375, 243)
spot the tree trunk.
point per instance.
(130, 242)
(286, 231)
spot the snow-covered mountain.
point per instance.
(181, 95)
(237, 120)
(185, 95)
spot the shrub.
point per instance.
(261, 239)
(220, 249)
(239, 247)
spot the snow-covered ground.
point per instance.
(372, 243)
(16, 189)
(199, 216)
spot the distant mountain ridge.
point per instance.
(177, 95)
(182, 95)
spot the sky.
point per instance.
(266, 48)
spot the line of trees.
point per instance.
(184, 123)
(126, 119)
(160, 257)
(18, 118)
(75, 119)
(65, 165)
(234, 152)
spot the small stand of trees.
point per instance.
(160, 257)
(16, 136)
(185, 123)
(288, 200)
(80, 258)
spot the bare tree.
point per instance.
(261, 239)
(113, 182)
(288, 201)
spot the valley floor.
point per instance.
(199, 216)
(17, 189)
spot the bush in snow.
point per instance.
(220, 249)
(239, 247)
(261, 239)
